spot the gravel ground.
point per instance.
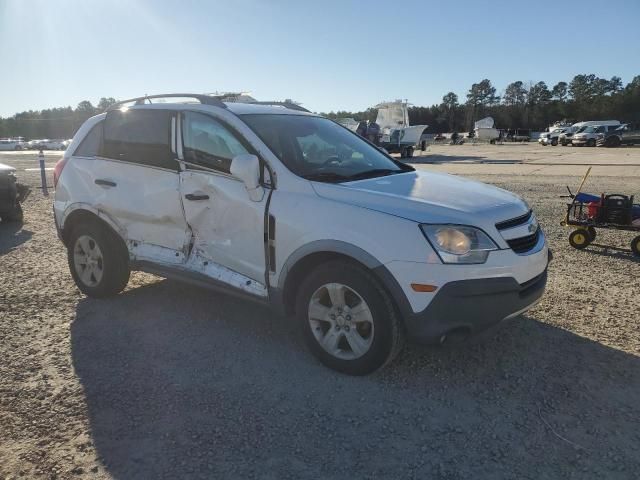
(171, 381)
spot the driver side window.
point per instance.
(209, 143)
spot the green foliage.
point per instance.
(533, 105)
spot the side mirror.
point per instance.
(246, 167)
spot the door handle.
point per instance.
(196, 196)
(105, 183)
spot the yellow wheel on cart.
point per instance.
(579, 239)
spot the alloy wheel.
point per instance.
(88, 260)
(341, 321)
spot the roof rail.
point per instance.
(289, 105)
(203, 99)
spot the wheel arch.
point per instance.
(83, 213)
(306, 258)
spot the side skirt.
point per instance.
(198, 279)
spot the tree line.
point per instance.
(530, 105)
(52, 122)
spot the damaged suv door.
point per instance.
(227, 226)
(136, 182)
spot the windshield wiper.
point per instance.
(376, 172)
(329, 177)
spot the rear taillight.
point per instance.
(57, 171)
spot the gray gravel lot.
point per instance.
(171, 381)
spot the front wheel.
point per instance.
(348, 320)
(612, 142)
(98, 260)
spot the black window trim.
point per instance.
(239, 137)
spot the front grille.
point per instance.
(524, 244)
(514, 222)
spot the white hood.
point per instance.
(428, 197)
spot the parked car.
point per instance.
(624, 135)
(12, 194)
(589, 135)
(47, 144)
(552, 137)
(11, 144)
(566, 138)
(284, 207)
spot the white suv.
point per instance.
(285, 207)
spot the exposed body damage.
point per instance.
(285, 207)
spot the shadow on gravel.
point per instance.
(181, 383)
(12, 235)
(436, 159)
(613, 252)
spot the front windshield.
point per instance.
(590, 129)
(581, 129)
(318, 149)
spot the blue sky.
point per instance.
(327, 54)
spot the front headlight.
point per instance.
(459, 243)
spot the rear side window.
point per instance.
(139, 136)
(90, 146)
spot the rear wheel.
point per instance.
(592, 233)
(635, 246)
(98, 260)
(579, 239)
(554, 142)
(348, 321)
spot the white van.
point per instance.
(280, 206)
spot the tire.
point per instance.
(423, 145)
(591, 142)
(635, 246)
(106, 260)
(579, 239)
(15, 215)
(554, 142)
(613, 142)
(592, 233)
(325, 299)
(410, 152)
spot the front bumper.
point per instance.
(467, 307)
